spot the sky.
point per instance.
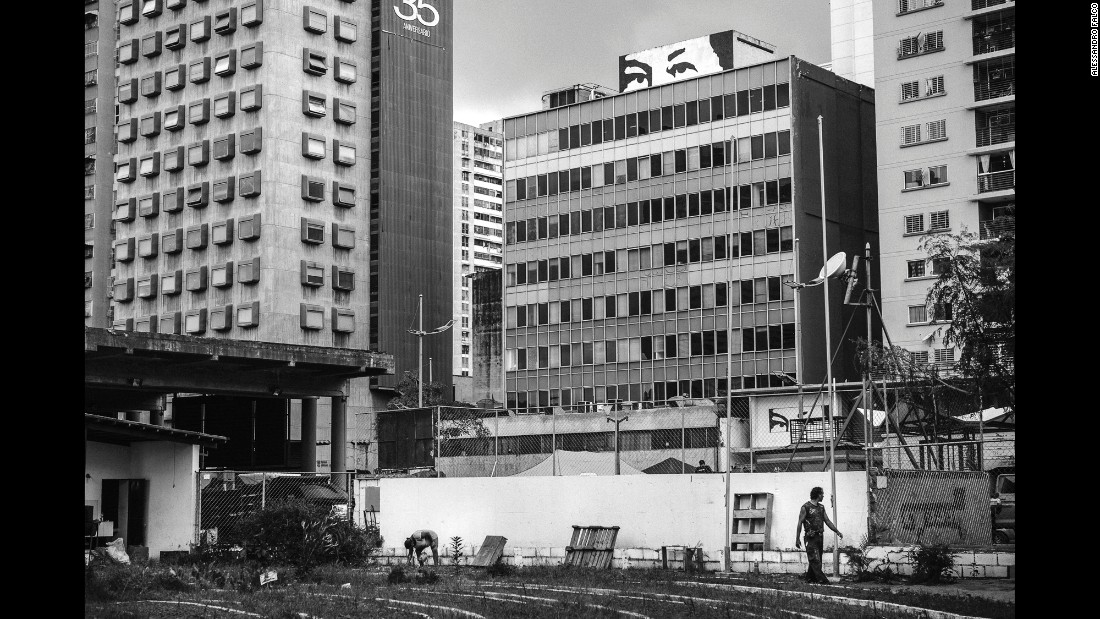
(508, 52)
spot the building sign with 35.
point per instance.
(417, 11)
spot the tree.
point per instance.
(435, 393)
(976, 293)
(455, 419)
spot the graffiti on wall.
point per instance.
(931, 507)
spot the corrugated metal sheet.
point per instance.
(591, 546)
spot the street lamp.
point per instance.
(420, 333)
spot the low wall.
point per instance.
(968, 564)
(651, 510)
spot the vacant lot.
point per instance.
(551, 593)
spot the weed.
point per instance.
(427, 578)
(859, 561)
(456, 549)
(932, 563)
(397, 576)
(501, 570)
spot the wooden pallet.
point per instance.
(492, 549)
(591, 546)
(751, 521)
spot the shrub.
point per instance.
(501, 569)
(932, 563)
(397, 576)
(427, 578)
(300, 534)
(859, 562)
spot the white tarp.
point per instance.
(580, 463)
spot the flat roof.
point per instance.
(159, 363)
(123, 432)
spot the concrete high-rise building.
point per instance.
(852, 36)
(283, 177)
(478, 225)
(945, 91)
(100, 33)
(649, 234)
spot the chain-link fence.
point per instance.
(931, 452)
(226, 498)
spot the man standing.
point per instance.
(703, 467)
(814, 516)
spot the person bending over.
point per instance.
(419, 542)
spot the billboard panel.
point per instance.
(678, 61)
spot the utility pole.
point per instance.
(419, 332)
(617, 421)
(828, 343)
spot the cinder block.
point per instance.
(633, 553)
(772, 567)
(754, 555)
(985, 558)
(651, 554)
(557, 552)
(1006, 558)
(904, 568)
(617, 553)
(965, 558)
(794, 568)
(772, 556)
(741, 567)
(877, 552)
(737, 555)
(971, 571)
(793, 557)
(996, 571)
(1012, 571)
(899, 557)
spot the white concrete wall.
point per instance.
(652, 510)
(170, 469)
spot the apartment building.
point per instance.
(946, 131)
(282, 177)
(100, 33)
(650, 234)
(478, 225)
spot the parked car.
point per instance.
(1002, 505)
(224, 504)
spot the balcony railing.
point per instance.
(997, 181)
(996, 228)
(994, 89)
(988, 136)
(976, 5)
(989, 42)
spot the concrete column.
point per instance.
(309, 435)
(338, 462)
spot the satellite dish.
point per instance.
(834, 267)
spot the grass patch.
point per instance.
(393, 592)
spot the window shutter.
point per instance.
(910, 134)
(937, 130)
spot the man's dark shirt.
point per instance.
(815, 519)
